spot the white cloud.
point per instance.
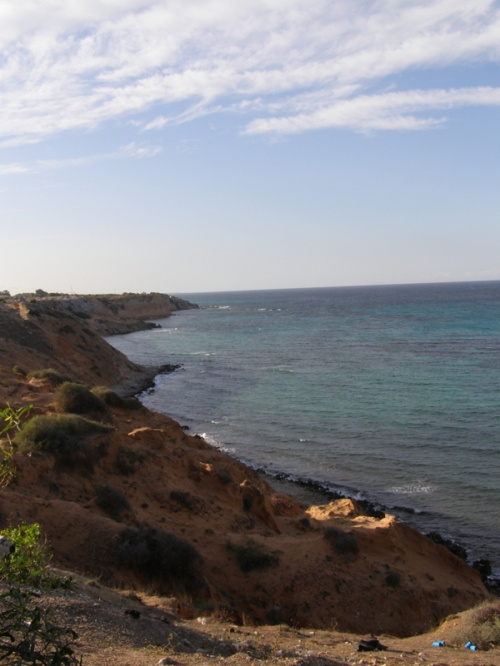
(298, 64)
(385, 111)
(131, 150)
(13, 169)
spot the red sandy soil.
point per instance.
(309, 606)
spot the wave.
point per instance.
(418, 488)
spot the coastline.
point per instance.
(310, 492)
(404, 464)
(166, 483)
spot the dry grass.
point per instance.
(480, 626)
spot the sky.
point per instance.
(213, 145)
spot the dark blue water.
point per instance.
(386, 393)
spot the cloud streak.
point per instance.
(284, 66)
(131, 150)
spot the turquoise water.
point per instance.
(386, 393)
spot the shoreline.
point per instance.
(311, 492)
(142, 380)
(312, 566)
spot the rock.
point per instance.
(6, 547)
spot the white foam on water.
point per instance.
(418, 488)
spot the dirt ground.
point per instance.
(123, 628)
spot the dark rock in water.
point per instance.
(403, 509)
(493, 586)
(371, 509)
(455, 548)
(147, 382)
(483, 567)
(168, 368)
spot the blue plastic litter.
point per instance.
(438, 644)
(469, 646)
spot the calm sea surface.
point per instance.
(386, 393)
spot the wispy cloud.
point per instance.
(384, 111)
(131, 150)
(13, 168)
(286, 66)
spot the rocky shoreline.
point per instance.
(120, 499)
(311, 492)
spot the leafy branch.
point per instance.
(10, 419)
(29, 634)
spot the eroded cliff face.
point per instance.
(260, 556)
(65, 333)
(109, 314)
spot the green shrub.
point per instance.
(111, 500)
(344, 543)
(112, 399)
(53, 376)
(480, 626)
(10, 419)
(251, 556)
(160, 557)
(19, 371)
(29, 634)
(73, 398)
(58, 435)
(29, 561)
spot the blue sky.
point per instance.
(202, 145)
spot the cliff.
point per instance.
(145, 505)
(109, 314)
(64, 332)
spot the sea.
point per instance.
(389, 394)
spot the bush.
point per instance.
(112, 399)
(128, 461)
(160, 557)
(29, 634)
(58, 435)
(251, 556)
(186, 500)
(53, 376)
(74, 398)
(393, 578)
(29, 561)
(480, 626)
(344, 543)
(10, 419)
(111, 500)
